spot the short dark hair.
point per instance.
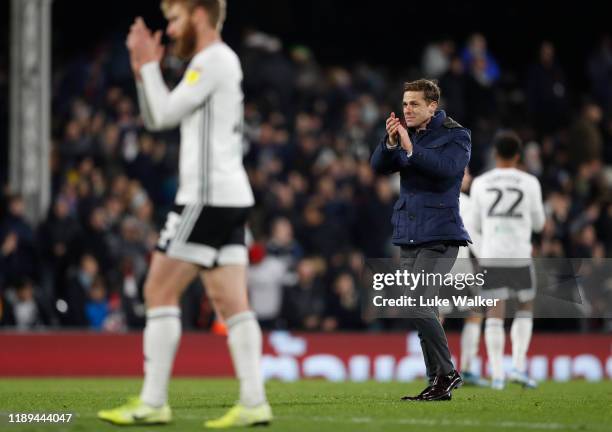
(215, 9)
(429, 88)
(507, 144)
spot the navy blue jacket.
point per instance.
(428, 207)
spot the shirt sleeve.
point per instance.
(466, 206)
(165, 109)
(145, 112)
(538, 215)
(475, 210)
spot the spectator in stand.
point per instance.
(78, 291)
(482, 102)
(282, 243)
(57, 238)
(585, 137)
(343, 308)
(599, 69)
(304, 300)
(584, 243)
(267, 274)
(268, 73)
(97, 306)
(557, 227)
(372, 223)
(547, 101)
(133, 245)
(142, 165)
(18, 252)
(22, 308)
(95, 239)
(476, 52)
(454, 86)
(437, 58)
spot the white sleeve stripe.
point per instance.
(204, 141)
(201, 148)
(209, 153)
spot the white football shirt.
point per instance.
(208, 104)
(467, 216)
(507, 208)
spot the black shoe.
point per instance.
(418, 397)
(448, 396)
(451, 381)
(436, 395)
(441, 388)
(443, 385)
(421, 398)
(431, 393)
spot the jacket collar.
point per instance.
(436, 121)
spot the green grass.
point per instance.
(322, 406)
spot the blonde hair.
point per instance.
(216, 9)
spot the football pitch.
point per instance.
(321, 405)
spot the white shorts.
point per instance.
(204, 235)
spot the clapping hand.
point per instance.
(143, 45)
(404, 139)
(393, 123)
(395, 131)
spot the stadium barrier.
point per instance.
(289, 356)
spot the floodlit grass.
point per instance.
(321, 406)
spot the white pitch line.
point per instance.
(433, 422)
(418, 422)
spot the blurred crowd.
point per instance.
(309, 132)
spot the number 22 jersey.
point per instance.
(507, 207)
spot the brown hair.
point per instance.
(429, 88)
(214, 8)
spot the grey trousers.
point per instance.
(438, 258)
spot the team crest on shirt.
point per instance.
(192, 76)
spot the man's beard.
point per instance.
(186, 45)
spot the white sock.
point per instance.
(244, 340)
(470, 337)
(161, 338)
(520, 334)
(495, 339)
